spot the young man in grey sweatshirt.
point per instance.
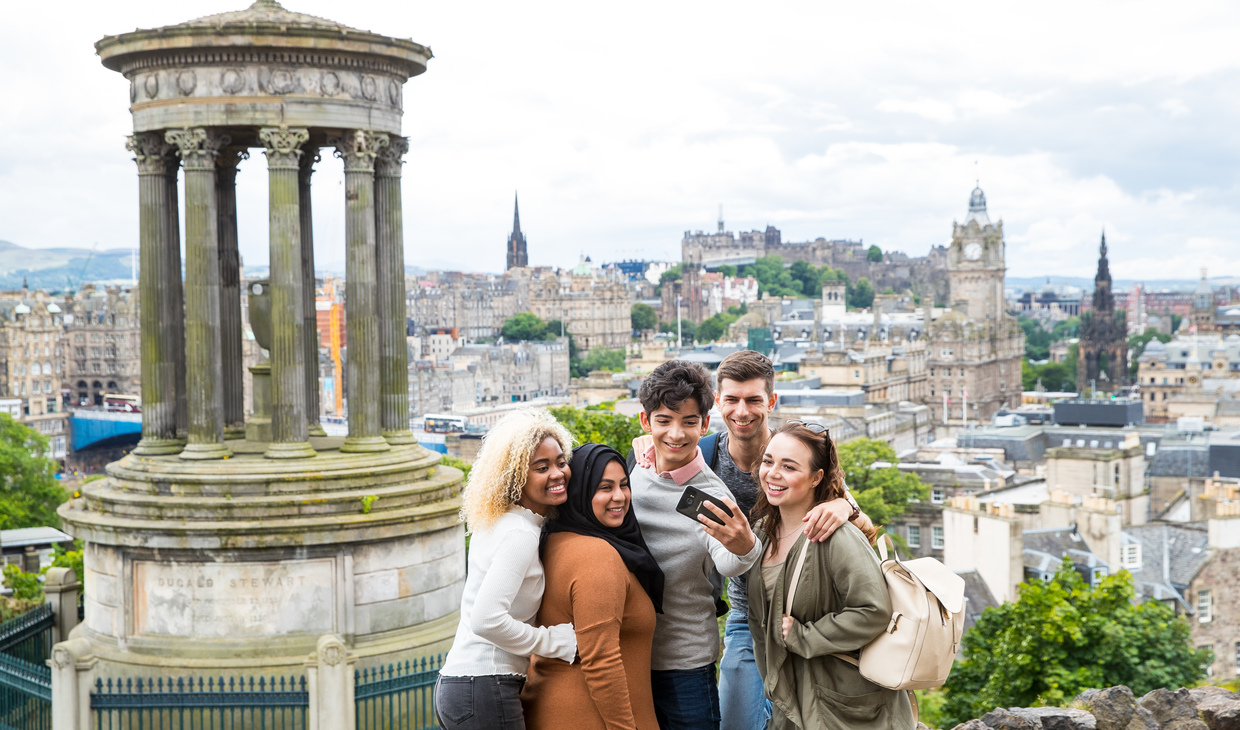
(676, 400)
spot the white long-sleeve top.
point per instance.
(503, 591)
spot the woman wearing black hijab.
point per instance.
(603, 580)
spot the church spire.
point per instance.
(517, 254)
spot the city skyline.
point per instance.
(875, 128)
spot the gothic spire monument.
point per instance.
(518, 257)
(1103, 349)
(231, 545)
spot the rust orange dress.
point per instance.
(608, 688)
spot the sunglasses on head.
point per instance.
(815, 427)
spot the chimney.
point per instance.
(1099, 522)
(986, 538)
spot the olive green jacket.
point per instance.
(841, 604)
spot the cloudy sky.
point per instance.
(623, 125)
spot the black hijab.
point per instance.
(577, 515)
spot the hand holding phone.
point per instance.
(693, 503)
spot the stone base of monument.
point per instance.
(238, 567)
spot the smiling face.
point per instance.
(611, 500)
(745, 407)
(785, 473)
(547, 482)
(676, 434)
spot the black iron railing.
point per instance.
(25, 695)
(158, 704)
(29, 636)
(398, 696)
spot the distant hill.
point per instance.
(57, 269)
(1027, 283)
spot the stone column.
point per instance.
(60, 589)
(198, 147)
(230, 291)
(159, 417)
(174, 316)
(72, 667)
(358, 149)
(310, 331)
(390, 253)
(289, 438)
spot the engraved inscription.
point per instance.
(233, 600)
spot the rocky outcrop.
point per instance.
(1116, 708)
(1218, 708)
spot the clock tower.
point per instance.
(975, 263)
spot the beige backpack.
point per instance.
(927, 618)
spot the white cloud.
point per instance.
(623, 127)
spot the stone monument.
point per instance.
(209, 551)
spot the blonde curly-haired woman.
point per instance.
(521, 473)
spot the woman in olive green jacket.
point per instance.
(840, 605)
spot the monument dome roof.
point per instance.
(265, 24)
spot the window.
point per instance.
(936, 496)
(1130, 556)
(1204, 607)
(1208, 667)
(914, 541)
(936, 537)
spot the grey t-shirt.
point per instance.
(745, 489)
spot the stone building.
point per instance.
(976, 347)
(1196, 375)
(1103, 363)
(900, 272)
(1215, 594)
(594, 305)
(1117, 473)
(888, 374)
(32, 363)
(103, 354)
(475, 305)
(475, 376)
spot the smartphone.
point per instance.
(693, 503)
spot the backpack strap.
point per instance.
(796, 579)
(710, 449)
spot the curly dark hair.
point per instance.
(673, 383)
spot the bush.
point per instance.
(25, 586)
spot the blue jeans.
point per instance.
(741, 697)
(686, 699)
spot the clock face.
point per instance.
(973, 251)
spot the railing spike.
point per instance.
(262, 684)
(129, 685)
(181, 684)
(230, 683)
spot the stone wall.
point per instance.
(1222, 632)
(1115, 708)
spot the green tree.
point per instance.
(882, 493)
(525, 327)
(672, 274)
(875, 254)
(29, 492)
(688, 329)
(1054, 376)
(715, 327)
(602, 359)
(643, 317)
(599, 427)
(25, 586)
(861, 294)
(727, 270)
(1062, 637)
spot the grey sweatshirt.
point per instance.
(686, 635)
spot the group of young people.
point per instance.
(592, 602)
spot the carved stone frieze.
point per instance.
(358, 148)
(267, 79)
(197, 146)
(391, 157)
(283, 145)
(151, 152)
